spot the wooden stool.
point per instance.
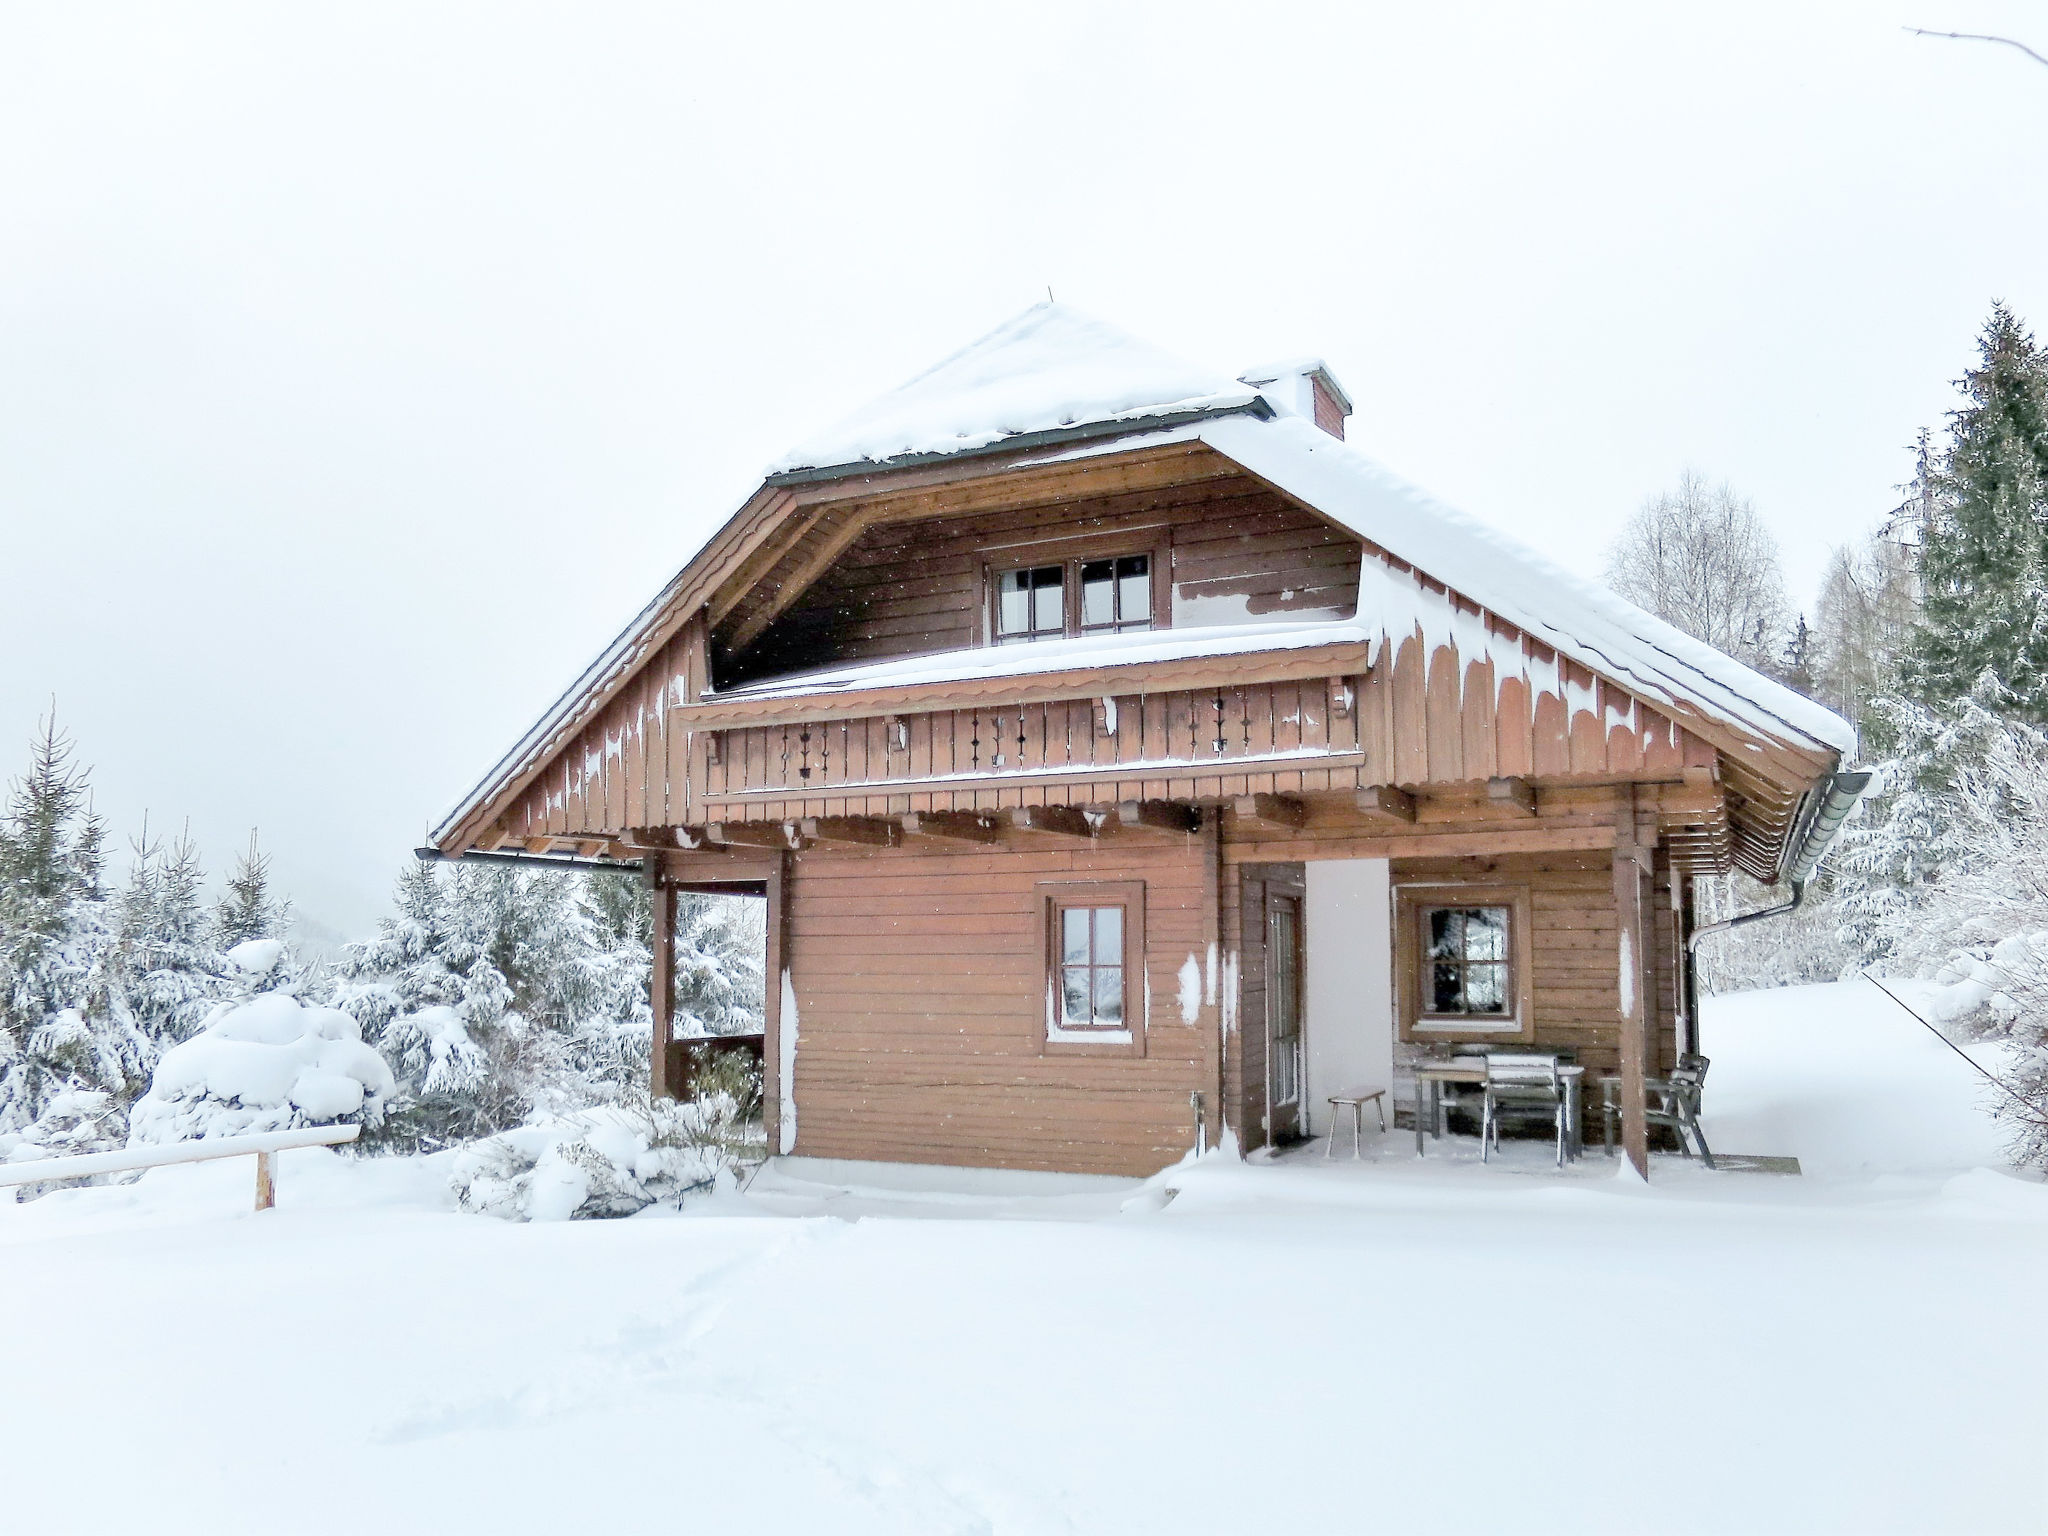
(1355, 1101)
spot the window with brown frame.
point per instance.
(1092, 938)
(1085, 595)
(1462, 962)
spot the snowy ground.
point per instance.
(1377, 1346)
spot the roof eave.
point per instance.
(1024, 442)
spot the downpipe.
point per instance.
(1841, 796)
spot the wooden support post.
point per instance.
(1160, 815)
(1058, 820)
(266, 1180)
(952, 826)
(777, 1054)
(661, 979)
(1283, 811)
(1383, 802)
(867, 831)
(1512, 794)
(1633, 1003)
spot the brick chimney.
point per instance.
(1304, 388)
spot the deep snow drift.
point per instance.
(1293, 1343)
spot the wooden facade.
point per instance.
(767, 725)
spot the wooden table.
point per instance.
(1435, 1074)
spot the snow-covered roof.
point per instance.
(1056, 376)
(1579, 617)
(1052, 368)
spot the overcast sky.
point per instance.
(361, 374)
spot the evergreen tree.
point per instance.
(1795, 665)
(247, 909)
(1984, 540)
(164, 973)
(68, 1067)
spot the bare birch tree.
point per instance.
(1868, 604)
(1700, 558)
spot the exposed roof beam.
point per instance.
(952, 826)
(1273, 810)
(866, 831)
(1384, 802)
(1058, 820)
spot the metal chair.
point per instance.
(1673, 1101)
(1521, 1087)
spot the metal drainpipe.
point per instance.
(1201, 1123)
(1811, 841)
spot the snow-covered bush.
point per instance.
(269, 1064)
(505, 997)
(1951, 884)
(611, 1160)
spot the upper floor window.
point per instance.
(1075, 597)
(1116, 594)
(1031, 604)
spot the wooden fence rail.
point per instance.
(264, 1146)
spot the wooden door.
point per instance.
(1283, 1015)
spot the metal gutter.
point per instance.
(1831, 803)
(431, 855)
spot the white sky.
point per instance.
(361, 374)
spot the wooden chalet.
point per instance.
(1128, 763)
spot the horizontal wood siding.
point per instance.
(913, 588)
(1574, 953)
(921, 998)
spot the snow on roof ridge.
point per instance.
(1597, 626)
(1051, 367)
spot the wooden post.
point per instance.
(662, 978)
(266, 1180)
(773, 1055)
(1633, 1001)
(1215, 977)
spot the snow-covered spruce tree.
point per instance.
(68, 1065)
(247, 908)
(1958, 890)
(1983, 555)
(164, 973)
(428, 994)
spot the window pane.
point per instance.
(1134, 590)
(1109, 995)
(1486, 934)
(1074, 997)
(1445, 995)
(1109, 935)
(1486, 989)
(1098, 593)
(1046, 618)
(1446, 935)
(1013, 604)
(1074, 936)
